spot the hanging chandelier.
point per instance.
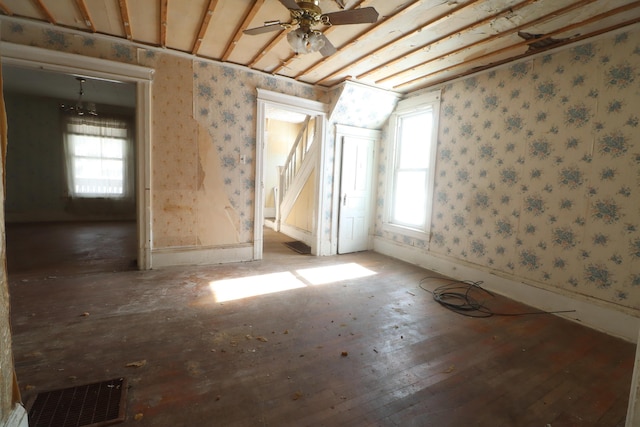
(79, 107)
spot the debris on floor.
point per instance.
(138, 364)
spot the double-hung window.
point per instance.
(96, 151)
(411, 165)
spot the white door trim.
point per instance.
(299, 105)
(62, 62)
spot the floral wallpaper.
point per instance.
(225, 102)
(203, 122)
(538, 171)
(357, 105)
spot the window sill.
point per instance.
(405, 231)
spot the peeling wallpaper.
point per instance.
(203, 120)
(225, 106)
(538, 171)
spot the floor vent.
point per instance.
(299, 247)
(92, 405)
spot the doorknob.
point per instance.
(344, 200)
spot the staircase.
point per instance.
(300, 162)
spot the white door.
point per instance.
(355, 194)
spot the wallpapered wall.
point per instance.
(203, 120)
(538, 171)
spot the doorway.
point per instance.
(269, 104)
(70, 175)
(33, 60)
(355, 159)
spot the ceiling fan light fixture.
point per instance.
(308, 41)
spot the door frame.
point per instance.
(67, 63)
(341, 132)
(267, 98)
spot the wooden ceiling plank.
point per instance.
(5, 9)
(204, 26)
(524, 55)
(126, 20)
(268, 48)
(505, 12)
(549, 16)
(284, 64)
(164, 10)
(47, 13)
(86, 15)
(403, 38)
(562, 30)
(239, 31)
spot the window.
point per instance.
(414, 125)
(97, 151)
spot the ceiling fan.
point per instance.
(307, 14)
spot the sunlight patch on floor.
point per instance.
(334, 273)
(245, 287)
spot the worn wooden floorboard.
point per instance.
(374, 350)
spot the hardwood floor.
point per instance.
(349, 340)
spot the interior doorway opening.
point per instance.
(289, 155)
(70, 204)
(37, 69)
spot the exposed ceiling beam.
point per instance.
(562, 30)
(45, 11)
(5, 9)
(268, 48)
(524, 55)
(502, 34)
(475, 24)
(204, 26)
(164, 13)
(126, 20)
(239, 31)
(400, 39)
(86, 15)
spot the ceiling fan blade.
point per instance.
(290, 4)
(275, 26)
(355, 16)
(328, 49)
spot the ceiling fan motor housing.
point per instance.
(309, 14)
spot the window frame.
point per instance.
(71, 155)
(405, 108)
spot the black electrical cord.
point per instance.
(460, 296)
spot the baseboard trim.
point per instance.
(18, 417)
(595, 316)
(200, 256)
